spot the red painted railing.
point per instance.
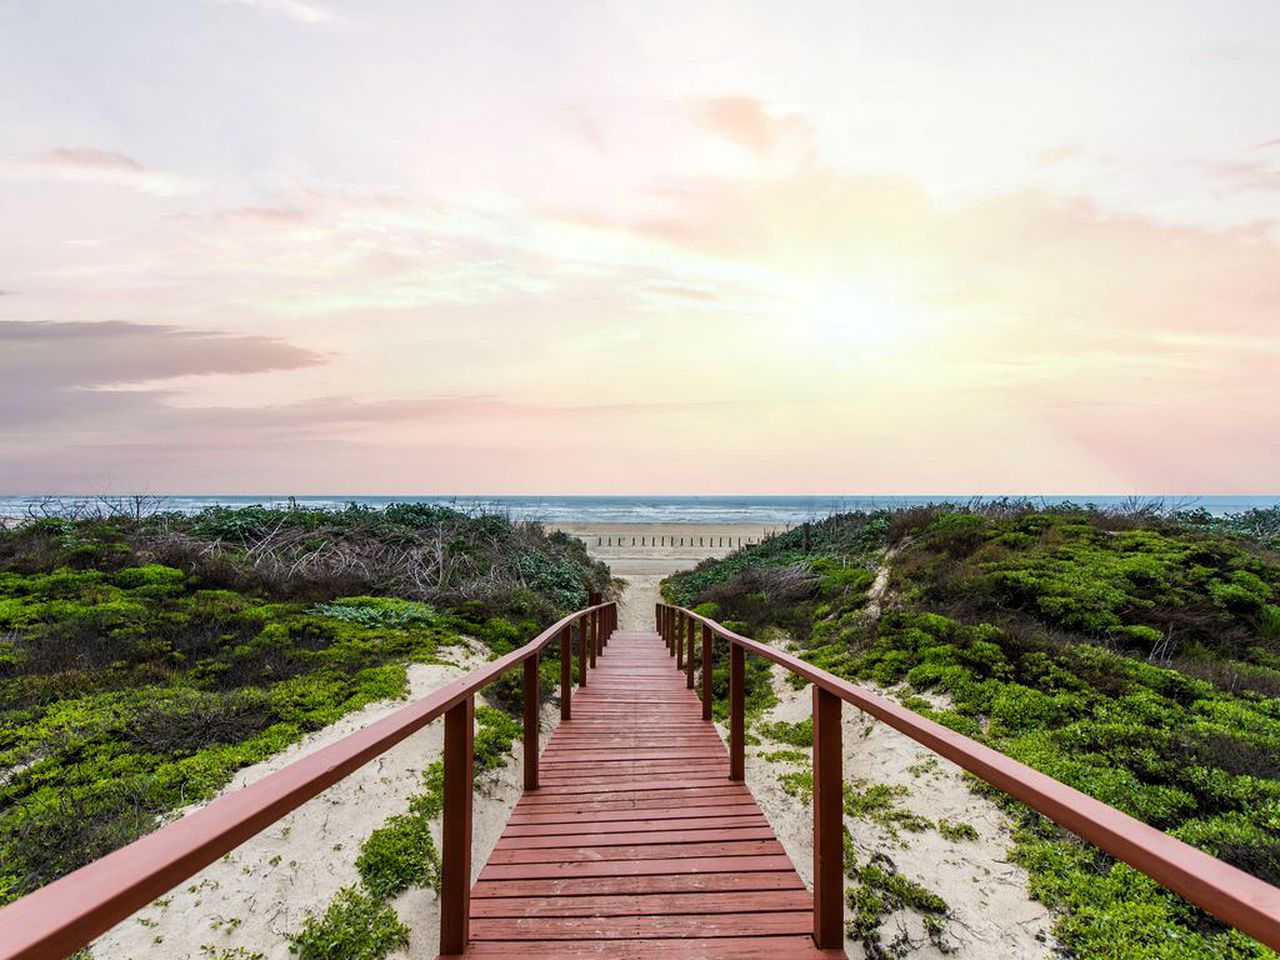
(64, 916)
(1233, 896)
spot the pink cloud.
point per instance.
(94, 166)
(1248, 175)
(747, 122)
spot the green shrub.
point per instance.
(398, 855)
(956, 831)
(355, 926)
(798, 734)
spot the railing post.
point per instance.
(582, 652)
(692, 630)
(737, 713)
(679, 640)
(669, 631)
(566, 673)
(592, 636)
(828, 821)
(597, 634)
(532, 720)
(706, 672)
(455, 831)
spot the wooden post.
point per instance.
(828, 821)
(566, 673)
(582, 652)
(706, 672)
(455, 831)
(592, 633)
(737, 713)
(688, 657)
(679, 639)
(532, 720)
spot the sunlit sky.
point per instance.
(329, 246)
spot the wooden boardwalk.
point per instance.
(637, 845)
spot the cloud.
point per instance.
(51, 370)
(292, 9)
(304, 207)
(89, 165)
(749, 123)
(1248, 175)
(680, 291)
(1057, 155)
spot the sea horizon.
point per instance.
(639, 508)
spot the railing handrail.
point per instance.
(1235, 897)
(68, 913)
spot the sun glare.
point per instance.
(851, 313)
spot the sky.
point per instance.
(407, 247)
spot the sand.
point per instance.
(629, 548)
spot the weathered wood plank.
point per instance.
(642, 927)
(758, 948)
(651, 904)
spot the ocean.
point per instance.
(781, 510)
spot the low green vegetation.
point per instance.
(879, 890)
(1134, 656)
(879, 803)
(144, 659)
(356, 926)
(787, 756)
(956, 831)
(798, 734)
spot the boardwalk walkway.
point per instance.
(637, 845)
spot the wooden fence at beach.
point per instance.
(646, 541)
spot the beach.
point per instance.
(643, 553)
(631, 548)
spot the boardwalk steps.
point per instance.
(636, 844)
